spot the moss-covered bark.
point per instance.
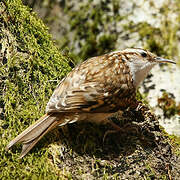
(30, 64)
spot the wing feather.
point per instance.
(89, 87)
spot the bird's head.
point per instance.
(140, 62)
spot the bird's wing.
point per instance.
(90, 87)
(78, 91)
(83, 98)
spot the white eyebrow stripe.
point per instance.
(130, 50)
(114, 52)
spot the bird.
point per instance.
(93, 91)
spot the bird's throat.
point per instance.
(139, 72)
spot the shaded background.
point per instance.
(90, 28)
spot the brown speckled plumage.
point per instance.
(100, 84)
(92, 91)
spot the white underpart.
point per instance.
(139, 70)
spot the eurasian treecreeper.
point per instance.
(93, 91)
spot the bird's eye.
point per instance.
(143, 54)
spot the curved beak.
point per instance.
(162, 60)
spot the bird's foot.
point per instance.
(128, 128)
(116, 129)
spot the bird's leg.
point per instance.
(116, 129)
(136, 106)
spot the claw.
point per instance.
(116, 129)
(108, 132)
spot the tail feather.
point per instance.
(30, 144)
(35, 132)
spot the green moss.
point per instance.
(162, 40)
(141, 97)
(29, 69)
(91, 26)
(175, 141)
(168, 104)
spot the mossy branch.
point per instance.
(29, 64)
